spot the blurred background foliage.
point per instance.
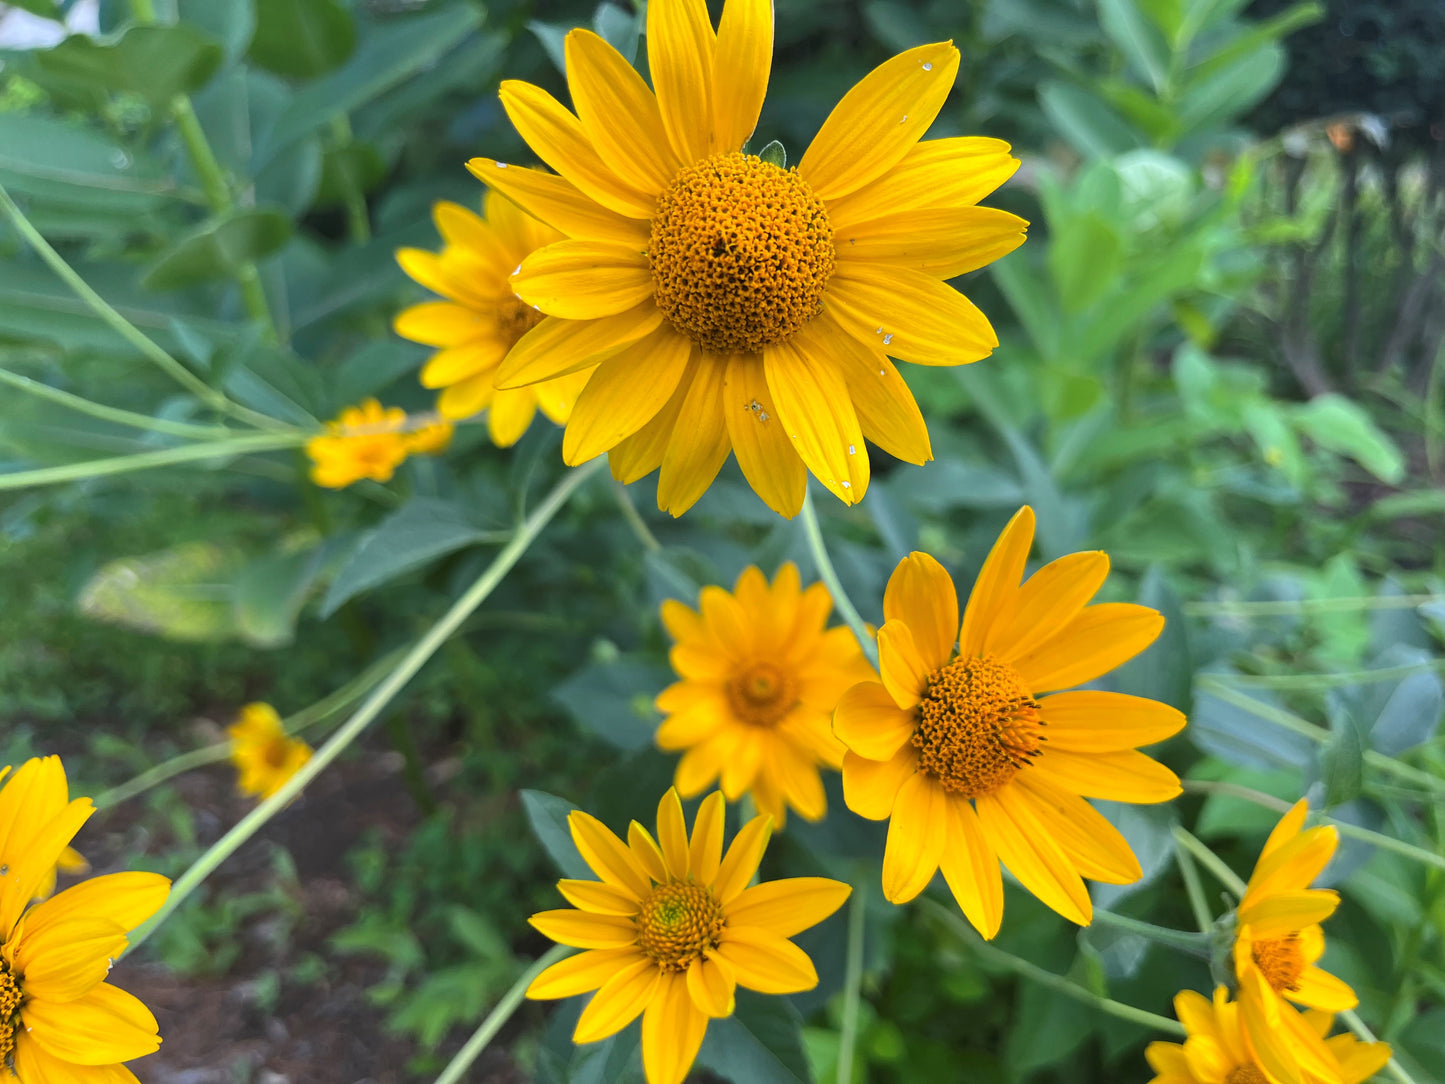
(1221, 360)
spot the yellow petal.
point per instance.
(105, 1026)
(1283, 913)
(452, 364)
(904, 673)
(997, 582)
(817, 414)
(583, 280)
(65, 959)
(920, 593)
(643, 452)
(1358, 1061)
(1123, 776)
(608, 856)
(917, 833)
(913, 316)
(1294, 864)
(742, 859)
(598, 897)
(765, 962)
(691, 726)
(581, 973)
(1097, 640)
(32, 1063)
(699, 443)
(510, 415)
(1315, 987)
(431, 270)
(441, 323)
(970, 867)
(742, 61)
(680, 46)
(556, 347)
(870, 786)
(620, 1000)
(581, 929)
(672, 834)
(559, 203)
(467, 398)
(1289, 826)
(789, 906)
(935, 174)
(558, 139)
(887, 412)
(869, 723)
(625, 393)
(618, 113)
(1091, 721)
(877, 121)
(712, 985)
(556, 398)
(1095, 846)
(705, 848)
(943, 243)
(672, 1027)
(648, 853)
(1048, 601)
(767, 457)
(1031, 854)
(127, 899)
(35, 864)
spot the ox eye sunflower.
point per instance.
(729, 304)
(264, 756)
(371, 441)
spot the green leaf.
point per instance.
(302, 38)
(1240, 736)
(1032, 302)
(478, 934)
(1085, 258)
(356, 167)
(614, 700)
(619, 27)
(1342, 760)
(46, 9)
(775, 154)
(178, 594)
(1164, 672)
(1220, 97)
(1343, 426)
(156, 62)
(761, 1043)
(1402, 712)
(1094, 129)
(1140, 42)
(218, 247)
(269, 594)
(547, 814)
(230, 22)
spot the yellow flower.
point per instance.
(1277, 941)
(672, 929)
(264, 756)
(48, 795)
(760, 679)
(972, 765)
(1217, 1050)
(482, 318)
(370, 441)
(729, 303)
(59, 1019)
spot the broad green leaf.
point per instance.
(1028, 294)
(1141, 42)
(1343, 426)
(1094, 128)
(1342, 759)
(302, 38)
(1223, 95)
(269, 594)
(1165, 671)
(1243, 737)
(178, 594)
(230, 22)
(1085, 257)
(46, 9)
(50, 159)
(619, 27)
(614, 700)
(356, 167)
(217, 248)
(761, 1043)
(553, 39)
(547, 814)
(156, 62)
(1401, 712)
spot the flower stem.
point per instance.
(846, 609)
(1362, 1030)
(1211, 861)
(1196, 944)
(1284, 608)
(634, 518)
(376, 703)
(112, 414)
(852, 980)
(1193, 888)
(163, 457)
(1058, 983)
(500, 1014)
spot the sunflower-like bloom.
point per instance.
(49, 794)
(1277, 941)
(672, 929)
(1217, 1051)
(371, 441)
(59, 1019)
(482, 318)
(264, 756)
(971, 764)
(730, 303)
(760, 679)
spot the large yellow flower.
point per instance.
(672, 929)
(264, 756)
(482, 318)
(49, 794)
(371, 441)
(1278, 940)
(760, 679)
(971, 764)
(729, 303)
(1217, 1051)
(59, 1020)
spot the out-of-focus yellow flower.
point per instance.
(761, 676)
(732, 304)
(1217, 1050)
(262, 753)
(481, 318)
(970, 765)
(59, 1020)
(672, 929)
(371, 441)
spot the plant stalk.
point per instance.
(1211, 861)
(846, 610)
(500, 1014)
(163, 457)
(852, 981)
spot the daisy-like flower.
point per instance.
(1277, 941)
(730, 303)
(761, 676)
(371, 441)
(59, 1019)
(1216, 1050)
(971, 764)
(672, 929)
(49, 793)
(481, 318)
(264, 756)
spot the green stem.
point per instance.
(846, 609)
(1330, 681)
(164, 457)
(124, 328)
(634, 518)
(1307, 606)
(1354, 831)
(376, 703)
(358, 222)
(852, 980)
(1193, 888)
(109, 413)
(500, 1014)
(1362, 1030)
(1058, 983)
(1196, 944)
(1211, 861)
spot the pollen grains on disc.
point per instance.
(677, 924)
(977, 726)
(1245, 1074)
(761, 694)
(1281, 961)
(741, 251)
(10, 999)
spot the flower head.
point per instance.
(481, 318)
(1217, 1050)
(59, 1018)
(760, 679)
(371, 441)
(729, 303)
(672, 929)
(1277, 941)
(262, 753)
(957, 747)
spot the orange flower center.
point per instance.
(10, 998)
(1281, 960)
(514, 319)
(678, 923)
(977, 726)
(741, 251)
(1245, 1074)
(274, 753)
(761, 694)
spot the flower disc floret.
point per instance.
(741, 252)
(977, 726)
(9, 1012)
(1246, 1074)
(1281, 961)
(677, 924)
(514, 319)
(762, 694)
